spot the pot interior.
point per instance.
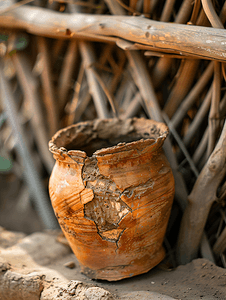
(92, 145)
(96, 135)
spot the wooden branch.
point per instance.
(195, 12)
(181, 145)
(200, 200)
(167, 10)
(205, 249)
(190, 99)
(65, 78)
(198, 119)
(211, 14)
(133, 107)
(117, 69)
(196, 40)
(29, 87)
(199, 152)
(70, 108)
(56, 50)
(161, 70)
(147, 6)
(88, 57)
(163, 66)
(143, 81)
(182, 86)
(48, 90)
(184, 12)
(214, 114)
(109, 96)
(30, 171)
(220, 244)
(82, 106)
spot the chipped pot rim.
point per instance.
(158, 133)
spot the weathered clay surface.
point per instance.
(8, 238)
(106, 209)
(23, 275)
(76, 290)
(113, 205)
(17, 286)
(200, 279)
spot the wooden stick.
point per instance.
(167, 10)
(185, 38)
(68, 67)
(118, 72)
(164, 64)
(200, 150)
(205, 249)
(56, 49)
(220, 244)
(181, 145)
(184, 12)
(71, 108)
(29, 87)
(147, 6)
(190, 99)
(48, 97)
(182, 86)
(82, 106)
(161, 70)
(88, 59)
(133, 107)
(198, 118)
(142, 79)
(31, 175)
(214, 114)
(109, 96)
(200, 201)
(211, 14)
(195, 12)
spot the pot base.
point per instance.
(115, 273)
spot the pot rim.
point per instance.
(63, 154)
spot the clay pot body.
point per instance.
(112, 190)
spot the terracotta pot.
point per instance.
(112, 190)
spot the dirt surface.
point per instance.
(45, 263)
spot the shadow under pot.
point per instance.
(112, 190)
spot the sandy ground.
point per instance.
(43, 259)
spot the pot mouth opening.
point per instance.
(96, 145)
(101, 136)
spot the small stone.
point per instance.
(70, 265)
(96, 293)
(72, 292)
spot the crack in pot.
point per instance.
(106, 209)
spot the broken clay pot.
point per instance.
(112, 190)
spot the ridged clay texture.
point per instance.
(112, 190)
